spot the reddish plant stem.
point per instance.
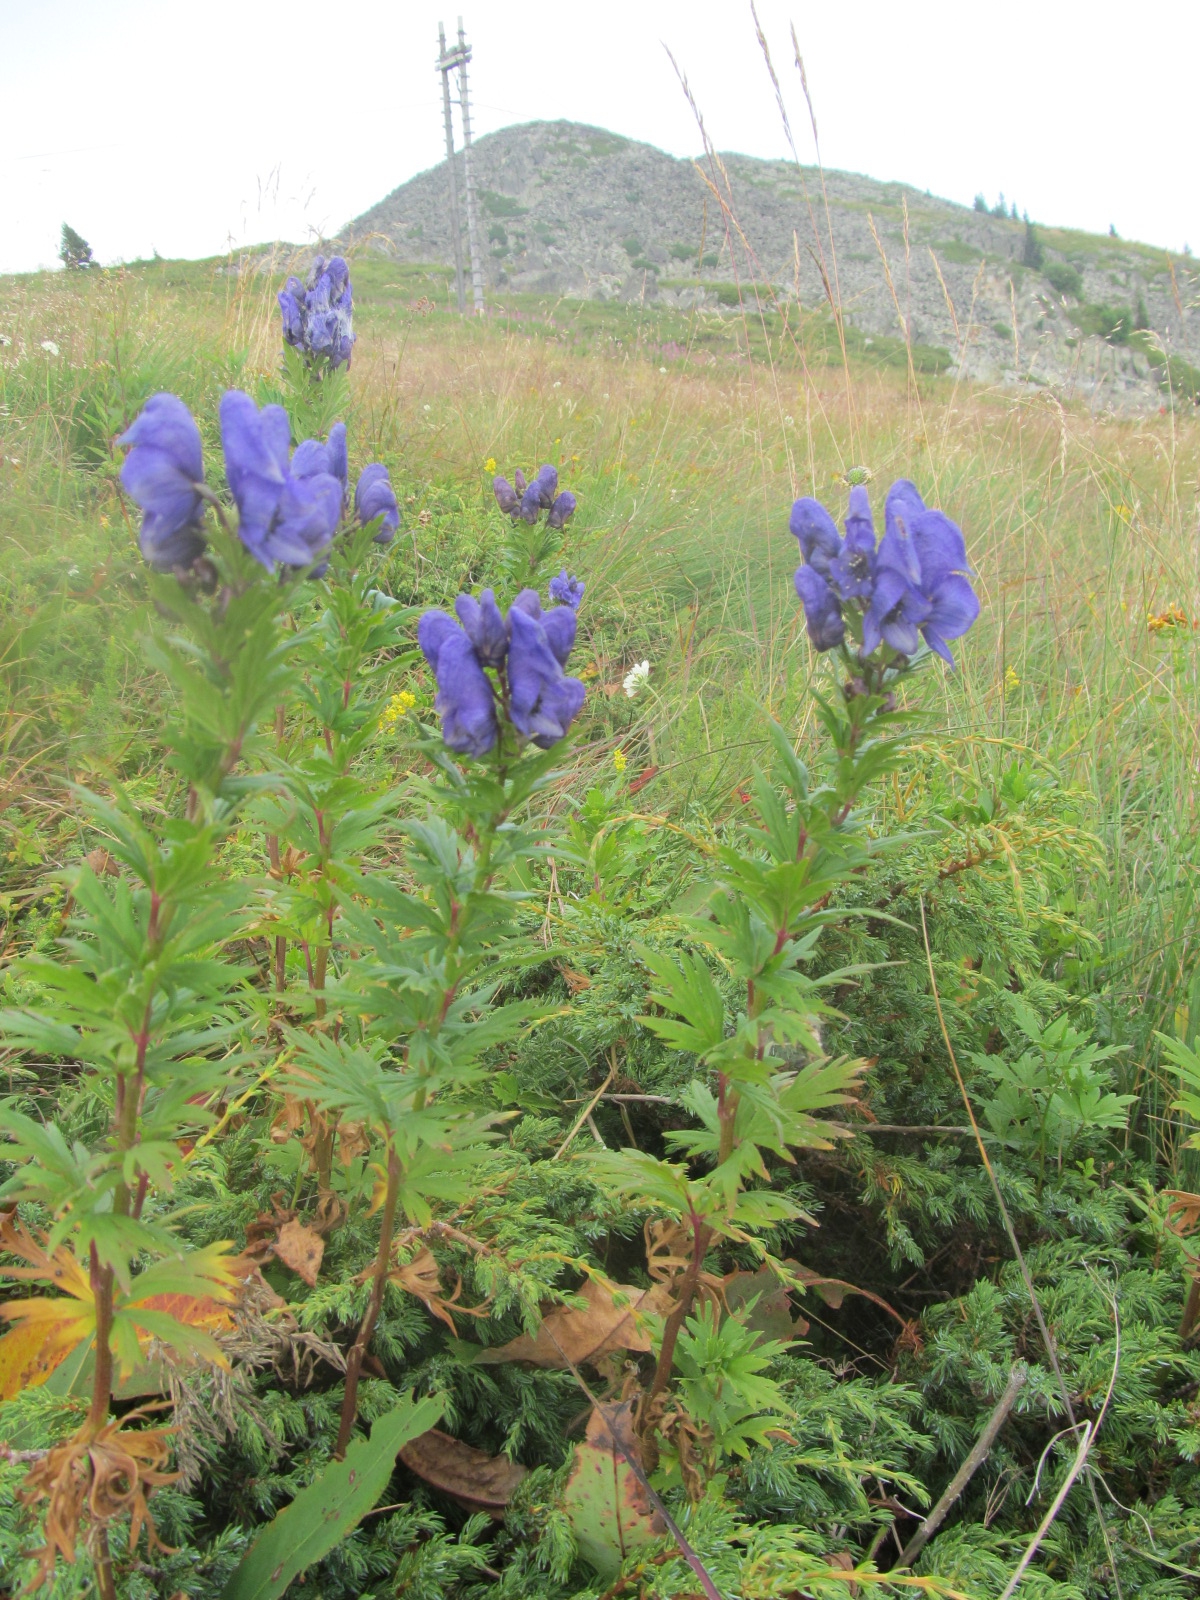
(106, 1583)
(701, 1237)
(102, 1290)
(358, 1351)
(276, 867)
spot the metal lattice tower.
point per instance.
(455, 224)
(455, 60)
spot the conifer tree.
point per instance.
(74, 251)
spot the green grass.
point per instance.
(686, 436)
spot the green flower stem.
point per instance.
(480, 882)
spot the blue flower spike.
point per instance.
(494, 669)
(163, 474)
(915, 585)
(318, 315)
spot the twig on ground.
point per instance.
(978, 1455)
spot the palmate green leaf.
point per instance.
(642, 1177)
(823, 1084)
(721, 1367)
(49, 1171)
(1186, 1062)
(686, 988)
(331, 1507)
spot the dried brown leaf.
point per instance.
(353, 1141)
(301, 1249)
(476, 1480)
(771, 1314)
(578, 1334)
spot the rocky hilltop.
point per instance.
(574, 210)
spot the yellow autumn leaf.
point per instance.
(29, 1354)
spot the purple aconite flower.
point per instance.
(339, 461)
(484, 624)
(853, 568)
(544, 701)
(818, 536)
(562, 508)
(163, 474)
(465, 701)
(566, 590)
(288, 511)
(921, 584)
(527, 650)
(914, 584)
(318, 315)
(292, 304)
(375, 497)
(560, 623)
(525, 499)
(822, 610)
(507, 497)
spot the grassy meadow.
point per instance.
(686, 439)
(1045, 822)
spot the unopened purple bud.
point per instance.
(562, 508)
(507, 497)
(531, 503)
(547, 482)
(519, 481)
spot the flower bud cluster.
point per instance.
(290, 504)
(318, 314)
(914, 585)
(525, 501)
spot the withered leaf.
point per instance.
(772, 1313)
(353, 1141)
(472, 1477)
(420, 1277)
(642, 779)
(300, 1249)
(588, 1333)
(832, 1290)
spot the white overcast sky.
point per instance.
(158, 124)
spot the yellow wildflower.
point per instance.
(490, 464)
(1173, 617)
(1011, 681)
(619, 761)
(398, 706)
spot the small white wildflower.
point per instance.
(662, 369)
(636, 678)
(50, 347)
(606, 394)
(791, 421)
(428, 408)
(557, 385)
(72, 572)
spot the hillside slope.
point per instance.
(575, 210)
